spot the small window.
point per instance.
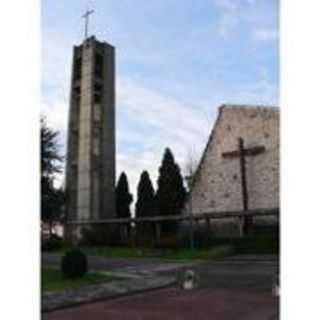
(97, 98)
(98, 65)
(77, 68)
(99, 59)
(97, 87)
(76, 91)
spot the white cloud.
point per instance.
(162, 112)
(56, 113)
(56, 57)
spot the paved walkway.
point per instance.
(248, 276)
(236, 288)
(176, 304)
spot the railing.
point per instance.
(125, 223)
(182, 217)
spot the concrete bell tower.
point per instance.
(90, 171)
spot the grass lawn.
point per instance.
(53, 280)
(216, 252)
(251, 244)
(219, 248)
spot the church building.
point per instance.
(239, 169)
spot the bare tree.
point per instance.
(190, 166)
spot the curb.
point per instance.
(106, 298)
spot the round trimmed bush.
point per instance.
(74, 264)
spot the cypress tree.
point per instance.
(171, 192)
(123, 197)
(145, 196)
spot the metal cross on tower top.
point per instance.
(86, 17)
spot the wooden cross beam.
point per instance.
(242, 153)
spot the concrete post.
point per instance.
(158, 232)
(124, 231)
(208, 224)
(241, 227)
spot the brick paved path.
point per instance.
(175, 304)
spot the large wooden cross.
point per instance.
(241, 153)
(86, 16)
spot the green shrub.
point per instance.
(167, 241)
(218, 252)
(102, 235)
(146, 240)
(74, 264)
(201, 239)
(254, 244)
(55, 243)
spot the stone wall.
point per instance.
(217, 185)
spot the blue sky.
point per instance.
(177, 61)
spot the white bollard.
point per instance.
(190, 280)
